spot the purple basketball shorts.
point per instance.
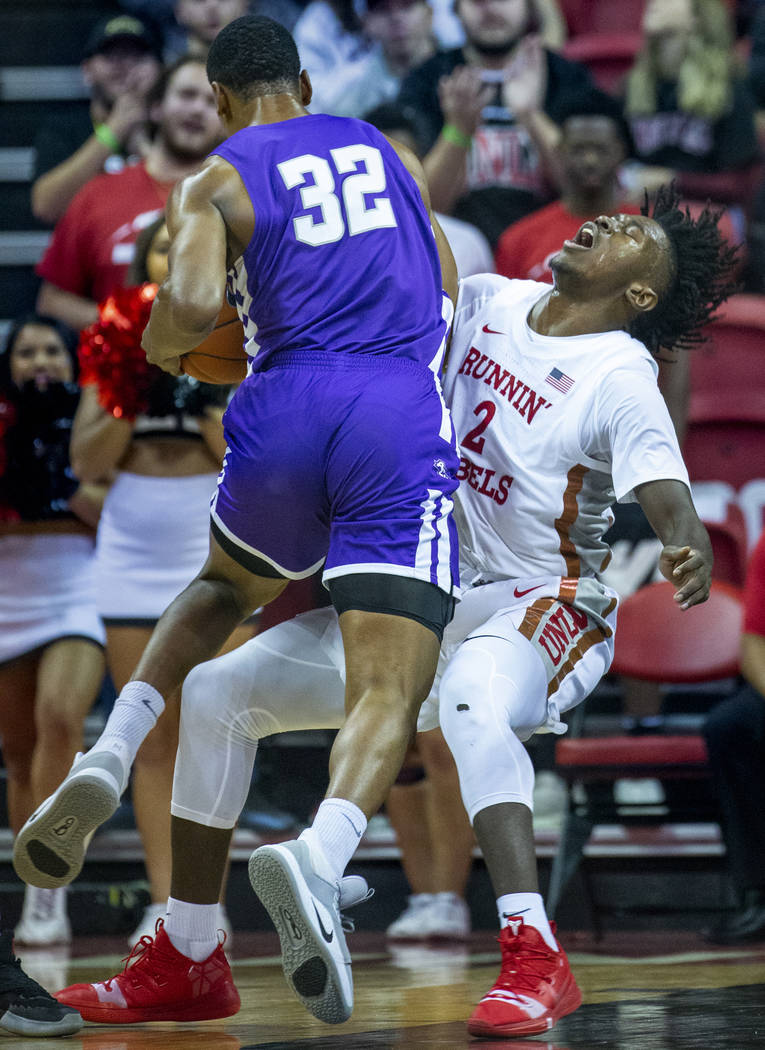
(344, 461)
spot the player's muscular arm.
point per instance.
(448, 266)
(686, 559)
(189, 299)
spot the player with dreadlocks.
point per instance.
(560, 386)
(555, 402)
(697, 287)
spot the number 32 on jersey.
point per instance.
(365, 178)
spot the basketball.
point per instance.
(221, 357)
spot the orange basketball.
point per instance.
(221, 357)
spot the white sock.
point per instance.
(44, 903)
(132, 718)
(530, 907)
(192, 928)
(334, 836)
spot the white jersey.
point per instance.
(552, 431)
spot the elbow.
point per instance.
(44, 207)
(85, 472)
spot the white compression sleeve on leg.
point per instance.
(281, 680)
(493, 689)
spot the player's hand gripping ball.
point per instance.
(221, 357)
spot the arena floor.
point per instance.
(653, 991)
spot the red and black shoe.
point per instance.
(158, 984)
(535, 987)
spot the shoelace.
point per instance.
(523, 965)
(347, 924)
(138, 954)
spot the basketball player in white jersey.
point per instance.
(555, 402)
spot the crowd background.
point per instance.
(530, 116)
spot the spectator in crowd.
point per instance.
(176, 30)
(202, 20)
(92, 246)
(470, 248)
(51, 637)
(121, 64)
(160, 437)
(735, 737)
(491, 112)
(357, 61)
(690, 111)
(594, 143)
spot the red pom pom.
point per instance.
(111, 356)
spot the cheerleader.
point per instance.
(51, 637)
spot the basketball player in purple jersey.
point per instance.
(341, 453)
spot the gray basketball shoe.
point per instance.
(305, 909)
(49, 851)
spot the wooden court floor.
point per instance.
(642, 991)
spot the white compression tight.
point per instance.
(282, 680)
(493, 695)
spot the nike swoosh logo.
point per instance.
(491, 331)
(521, 594)
(328, 937)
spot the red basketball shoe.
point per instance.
(535, 987)
(160, 985)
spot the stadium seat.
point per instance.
(725, 439)
(729, 546)
(731, 451)
(606, 16)
(602, 16)
(728, 372)
(656, 641)
(608, 56)
(717, 505)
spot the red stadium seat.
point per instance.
(725, 451)
(728, 372)
(602, 16)
(659, 642)
(606, 16)
(729, 546)
(608, 56)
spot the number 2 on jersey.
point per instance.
(359, 184)
(473, 439)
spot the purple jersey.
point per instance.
(343, 257)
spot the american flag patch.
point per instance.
(559, 380)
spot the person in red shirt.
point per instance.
(594, 143)
(735, 736)
(93, 244)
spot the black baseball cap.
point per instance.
(121, 27)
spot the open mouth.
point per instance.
(585, 237)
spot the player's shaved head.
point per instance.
(254, 55)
